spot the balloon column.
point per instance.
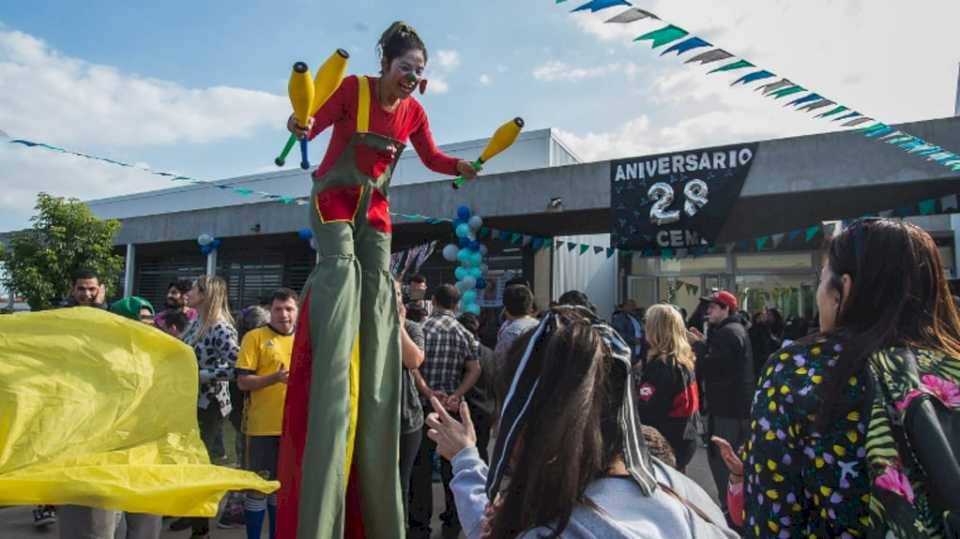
(469, 253)
(208, 243)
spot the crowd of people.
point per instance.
(561, 425)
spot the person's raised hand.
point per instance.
(730, 458)
(465, 169)
(694, 335)
(450, 435)
(296, 129)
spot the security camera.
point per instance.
(555, 204)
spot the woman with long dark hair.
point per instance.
(828, 453)
(578, 465)
(338, 453)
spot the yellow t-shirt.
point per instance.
(263, 351)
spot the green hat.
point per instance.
(131, 306)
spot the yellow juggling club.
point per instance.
(502, 139)
(328, 79)
(300, 89)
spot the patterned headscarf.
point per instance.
(523, 390)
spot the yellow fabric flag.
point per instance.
(101, 411)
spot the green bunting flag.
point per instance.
(927, 207)
(663, 36)
(584, 248)
(812, 232)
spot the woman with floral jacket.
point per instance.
(826, 457)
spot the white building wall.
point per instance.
(591, 273)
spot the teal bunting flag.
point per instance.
(667, 34)
(805, 99)
(762, 242)
(548, 242)
(484, 232)
(787, 91)
(739, 64)
(583, 249)
(610, 251)
(836, 110)
(666, 254)
(812, 232)
(571, 246)
(516, 238)
(599, 5)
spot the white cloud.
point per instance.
(555, 70)
(448, 60)
(48, 95)
(485, 79)
(438, 85)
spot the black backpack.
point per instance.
(909, 418)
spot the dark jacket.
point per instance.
(623, 323)
(725, 366)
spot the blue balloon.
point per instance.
(460, 273)
(473, 308)
(469, 297)
(305, 234)
(481, 284)
(216, 243)
(464, 243)
(463, 231)
(205, 249)
(463, 213)
(475, 245)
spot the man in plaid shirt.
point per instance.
(450, 369)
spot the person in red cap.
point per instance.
(725, 367)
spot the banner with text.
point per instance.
(678, 200)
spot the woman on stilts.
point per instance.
(339, 450)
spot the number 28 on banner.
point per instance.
(695, 192)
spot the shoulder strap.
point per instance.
(363, 105)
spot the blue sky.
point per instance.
(200, 87)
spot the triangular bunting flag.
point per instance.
(836, 110)
(571, 246)
(805, 99)
(527, 239)
(686, 45)
(858, 121)
(484, 232)
(739, 64)
(515, 238)
(548, 242)
(812, 232)
(597, 250)
(949, 202)
(753, 77)
(610, 251)
(787, 91)
(768, 89)
(537, 243)
(852, 114)
(777, 239)
(794, 234)
(632, 15)
(818, 105)
(584, 248)
(664, 35)
(710, 56)
(666, 254)
(762, 242)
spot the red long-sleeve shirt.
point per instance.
(408, 122)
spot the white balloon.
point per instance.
(475, 222)
(204, 240)
(484, 268)
(469, 283)
(483, 249)
(450, 252)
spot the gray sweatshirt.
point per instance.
(626, 513)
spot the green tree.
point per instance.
(65, 237)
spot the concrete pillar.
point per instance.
(542, 281)
(129, 270)
(212, 263)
